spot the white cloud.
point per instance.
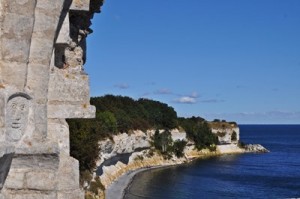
(212, 101)
(269, 117)
(163, 91)
(186, 100)
(194, 95)
(122, 86)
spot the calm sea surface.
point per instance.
(271, 175)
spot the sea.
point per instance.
(269, 175)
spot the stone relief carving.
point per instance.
(35, 129)
(17, 111)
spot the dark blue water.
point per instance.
(271, 175)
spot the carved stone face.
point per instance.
(17, 116)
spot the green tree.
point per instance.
(163, 141)
(108, 121)
(178, 147)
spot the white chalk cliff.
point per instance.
(125, 152)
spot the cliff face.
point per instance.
(125, 152)
(227, 135)
(42, 82)
(129, 152)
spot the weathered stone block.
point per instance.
(58, 130)
(37, 81)
(15, 74)
(2, 110)
(40, 53)
(15, 49)
(44, 154)
(73, 194)
(71, 111)
(22, 194)
(40, 131)
(83, 5)
(64, 33)
(16, 25)
(68, 174)
(41, 180)
(41, 167)
(45, 26)
(22, 7)
(15, 179)
(66, 87)
(53, 7)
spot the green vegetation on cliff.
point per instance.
(198, 130)
(166, 146)
(122, 114)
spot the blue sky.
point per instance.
(229, 59)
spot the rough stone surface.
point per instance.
(41, 180)
(225, 134)
(256, 148)
(128, 143)
(42, 82)
(5, 162)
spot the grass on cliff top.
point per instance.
(217, 124)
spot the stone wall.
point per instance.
(42, 82)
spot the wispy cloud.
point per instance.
(145, 95)
(186, 100)
(268, 117)
(211, 101)
(194, 95)
(163, 91)
(122, 86)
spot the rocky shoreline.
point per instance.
(117, 189)
(124, 155)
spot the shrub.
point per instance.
(212, 147)
(233, 136)
(139, 158)
(241, 144)
(163, 141)
(96, 185)
(178, 147)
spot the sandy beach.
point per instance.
(117, 189)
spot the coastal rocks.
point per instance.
(255, 148)
(138, 160)
(229, 149)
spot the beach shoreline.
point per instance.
(118, 188)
